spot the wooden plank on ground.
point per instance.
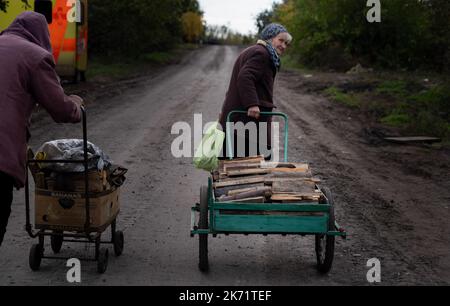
(416, 139)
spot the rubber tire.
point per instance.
(35, 258)
(102, 261)
(56, 243)
(203, 264)
(324, 243)
(118, 243)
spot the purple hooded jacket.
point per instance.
(27, 78)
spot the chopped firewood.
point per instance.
(230, 190)
(254, 159)
(238, 166)
(247, 172)
(293, 186)
(289, 170)
(262, 192)
(242, 190)
(294, 197)
(250, 200)
(269, 180)
(234, 182)
(274, 165)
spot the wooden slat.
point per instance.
(294, 186)
(238, 188)
(270, 180)
(294, 197)
(254, 159)
(234, 182)
(261, 192)
(247, 172)
(250, 200)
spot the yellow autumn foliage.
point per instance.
(192, 26)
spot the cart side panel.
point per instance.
(50, 214)
(270, 224)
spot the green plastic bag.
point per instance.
(206, 156)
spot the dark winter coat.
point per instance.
(27, 78)
(251, 84)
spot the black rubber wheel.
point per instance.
(102, 261)
(325, 243)
(118, 243)
(203, 224)
(56, 242)
(36, 254)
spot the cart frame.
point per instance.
(58, 236)
(259, 218)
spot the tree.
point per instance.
(3, 4)
(192, 26)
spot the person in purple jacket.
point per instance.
(27, 78)
(251, 87)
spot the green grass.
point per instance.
(396, 120)
(350, 100)
(395, 88)
(405, 103)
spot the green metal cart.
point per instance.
(316, 218)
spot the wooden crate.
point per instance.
(67, 210)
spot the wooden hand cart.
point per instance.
(315, 218)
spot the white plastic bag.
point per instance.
(206, 156)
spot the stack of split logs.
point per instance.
(253, 180)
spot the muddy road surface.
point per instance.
(393, 200)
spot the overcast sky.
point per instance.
(239, 15)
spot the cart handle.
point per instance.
(277, 114)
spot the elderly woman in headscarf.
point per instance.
(251, 88)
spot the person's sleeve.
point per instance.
(47, 92)
(251, 72)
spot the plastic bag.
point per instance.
(207, 153)
(71, 149)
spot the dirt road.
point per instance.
(393, 201)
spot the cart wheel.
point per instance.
(56, 242)
(325, 243)
(36, 254)
(102, 262)
(203, 224)
(118, 242)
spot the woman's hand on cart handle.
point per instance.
(77, 100)
(254, 112)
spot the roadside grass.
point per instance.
(351, 100)
(414, 105)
